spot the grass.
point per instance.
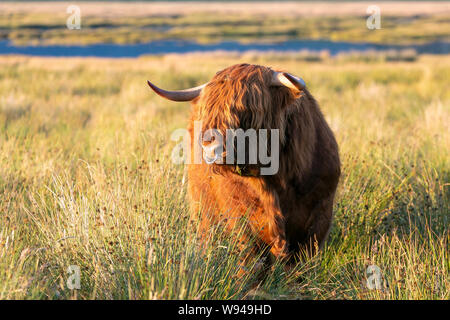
(86, 180)
(213, 23)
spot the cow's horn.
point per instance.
(280, 79)
(178, 95)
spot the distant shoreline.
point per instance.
(306, 47)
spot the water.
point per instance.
(180, 46)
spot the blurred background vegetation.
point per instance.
(402, 23)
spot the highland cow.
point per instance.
(289, 211)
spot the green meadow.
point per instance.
(86, 180)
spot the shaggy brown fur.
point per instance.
(291, 210)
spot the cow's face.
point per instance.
(244, 96)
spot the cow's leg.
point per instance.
(268, 225)
(319, 227)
